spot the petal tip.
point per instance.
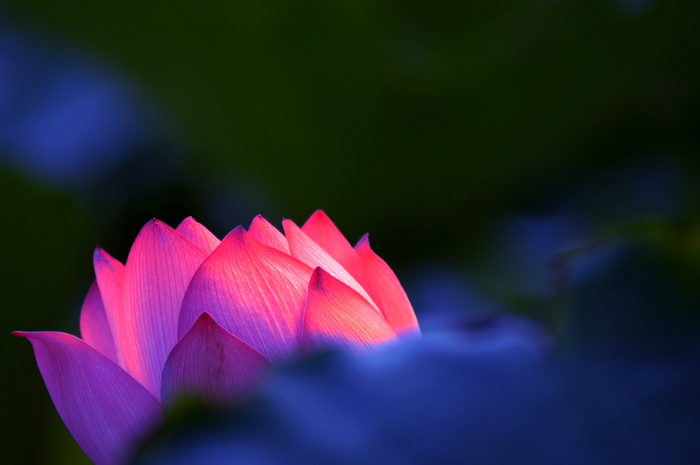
(205, 318)
(363, 242)
(318, 214)
(185, 221)
(237, 235)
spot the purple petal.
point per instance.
(309, 252)
(107, 411)
(211, 363)
(109, 274)
(94, 327)
(198, 235)
(267, 234)
(395, 304)
(337, 316)
(159, 268)
(325, 233)
(254, 291)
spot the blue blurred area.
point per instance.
(64, 119)
(494, 394)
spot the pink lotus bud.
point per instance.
(189, 315)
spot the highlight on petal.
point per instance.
(159, 268)
(197, 234)
(254, 291)
(109, 273)
(337, 316)
(265, 233)
(396, 306)
(325, 233)
(212, 364)
(305, 249)
(107, 411)
(94, 326)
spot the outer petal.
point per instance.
(198, 235)
(159, 268)
(267, 234)
(337, 316)
(109, 274)
(397, 308)
(94, 326)
(256, 292)
(107, 411)
(211, 363)
(309, 252)
(321, 229)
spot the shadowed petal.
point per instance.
(305, 249)
(337, 316)
(107, 411)
(267, 234)
(159, 268)
(94, 327)
(198, 235)
(321, 229)
(397, 308)
(254, 291)
(211, 363)
(109, 273)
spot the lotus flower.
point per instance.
(191, 315)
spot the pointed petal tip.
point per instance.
(256, 220)
(189, 219)
(23, 334)
(363, 242)
(152, 225)
(156, 224)
(238, 235)
(318, 214)
(101, 254)
(318, 277)
(205, 317)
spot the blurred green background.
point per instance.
(424, 123)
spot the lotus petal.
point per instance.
(254, 291)
(197, 234)
(109, 273)
(210, 363)
(160, 266)
(94, 326)
(106, 410)
(337, 316)
(305, 249)
(267, 234)
(396, 306)
(325, 233)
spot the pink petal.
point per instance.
(109, 273)
(321, 229)
(159, 268)
(254, 291)
(107, 411)
(211, 363)
(337, 316)
(267, 234)
(94, 326)
(198, 235)
(397, 308)
(309, 252)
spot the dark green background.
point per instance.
(421, 122)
